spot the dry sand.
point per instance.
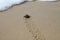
(44, 23)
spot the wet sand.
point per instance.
(45, 17)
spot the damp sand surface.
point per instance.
(44, 16)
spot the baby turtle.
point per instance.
(27, 16)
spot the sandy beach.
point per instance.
(44, 23)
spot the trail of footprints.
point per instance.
(32, 28)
